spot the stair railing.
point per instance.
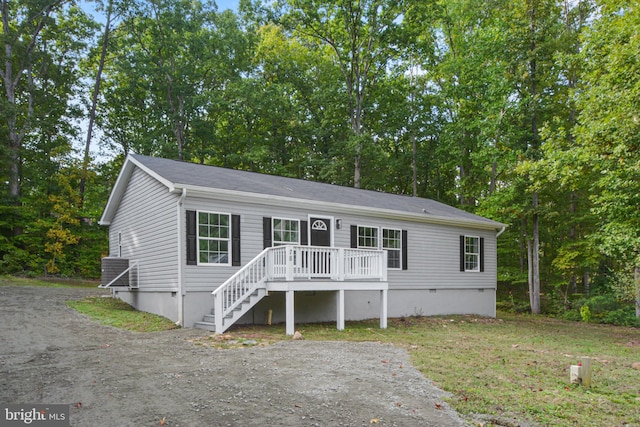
(237, 288)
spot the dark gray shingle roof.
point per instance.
(191, 174)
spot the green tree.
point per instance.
(608, 134)
(43, 44)
(360, 34)
(23, 25)
(171, 60)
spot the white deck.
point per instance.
(301, 268)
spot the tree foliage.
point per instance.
(526, 112)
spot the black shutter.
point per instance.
(461, 253)
(304, 235)
(354, 236)
(405, 251)
(192, 236)
(266, 232)
(235, 240)
(482, 254)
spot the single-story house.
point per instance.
(208, 247)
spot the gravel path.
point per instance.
(51, 354)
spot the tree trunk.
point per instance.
(535, 258)
(11, 78)
(573, 280)
(94, 104)
(414, 164)
(534, 148)
(585, 282)
(530, 270)
(10, 83)
(636, 279)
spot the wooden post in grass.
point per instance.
(585, 371)
(581, 373)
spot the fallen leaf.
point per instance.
(385, 361)
(163, 421)
(374, 421)
(297, 406)
(398, 404)
(79, 405)
(438, 406)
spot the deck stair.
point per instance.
(209, 320)
(235, 297)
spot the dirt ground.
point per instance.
(51, 354)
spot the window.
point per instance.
(471, 253)
(286, 232)
(392, 243)
(368, 237)
(214, 238)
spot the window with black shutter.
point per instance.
(471, 253)
(212, 238)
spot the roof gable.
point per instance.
(177, 175)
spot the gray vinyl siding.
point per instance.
(146, 217)
(433, 250)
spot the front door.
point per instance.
(320, 236)
(320, 231)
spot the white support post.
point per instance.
(383, 309)
(289, 308)
(217, 311)
(340, 309)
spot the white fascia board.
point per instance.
(270, 200)
(116, 193)
(170, 185)
(121, 186)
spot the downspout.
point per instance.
(504, 227)
(181, 234)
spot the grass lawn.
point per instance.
(49, 282)
(513, 369)
(115, 312)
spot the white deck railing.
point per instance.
(318, 262)
(291, 263)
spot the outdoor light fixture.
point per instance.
(338, 224)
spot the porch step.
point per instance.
(208, 320)
(207, 326)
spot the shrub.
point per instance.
(607, 309)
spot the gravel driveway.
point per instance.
(51, 354)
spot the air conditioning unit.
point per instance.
(112, 272)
